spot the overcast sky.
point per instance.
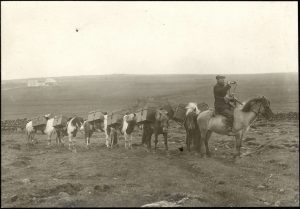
(39, 39)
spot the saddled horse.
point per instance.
(244, 115)
(160, 125)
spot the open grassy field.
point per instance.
(51, 176)
(42, 176)
(79, 95)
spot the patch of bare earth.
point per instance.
(36, 176)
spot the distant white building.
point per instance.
(50, 82)
(33, 83)
(47, 82)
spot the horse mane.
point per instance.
(191, 107)
(248, 105)
(191, 121)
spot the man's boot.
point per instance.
(230, 132)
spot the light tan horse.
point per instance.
(244, 115)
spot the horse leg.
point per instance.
(238, 144)
(70, 142)
(87, 142)
(49, 140)
(74, 145)
(28, 139)
(60, 136)
(166, 141)
(106, 140)
(149, 142)
(155, 140)
(31, 137)
(57, 138)
(112, 137)
(143, 137)
(126, 140)
(208, 135)
(201, 144)
(130, 141)
(188, 141)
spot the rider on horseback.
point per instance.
(222, 105)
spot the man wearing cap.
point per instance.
(221, 106)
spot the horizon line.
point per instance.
(146, 75)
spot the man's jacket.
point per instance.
(220, 92)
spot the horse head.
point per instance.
(130, 117)
(265, 107)
(259, 105)
(162, 117)
(83, 125)
(48, 116)
(129, 121)
(77, 122)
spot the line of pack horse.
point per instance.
(199, 124)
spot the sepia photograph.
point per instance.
(149, 104)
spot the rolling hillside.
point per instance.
(79, 95)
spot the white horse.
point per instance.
(50, 131)
(190, 124)
(30, 132)
(244, 115)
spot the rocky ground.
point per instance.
(266, 175)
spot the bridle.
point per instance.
(258, 112)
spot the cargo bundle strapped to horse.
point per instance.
(95, 115)
(115, 118)
(145, 114)
(39, 121)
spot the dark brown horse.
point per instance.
(160, 125)
(190, 124)
(191, 127)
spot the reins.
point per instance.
(258, 112)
